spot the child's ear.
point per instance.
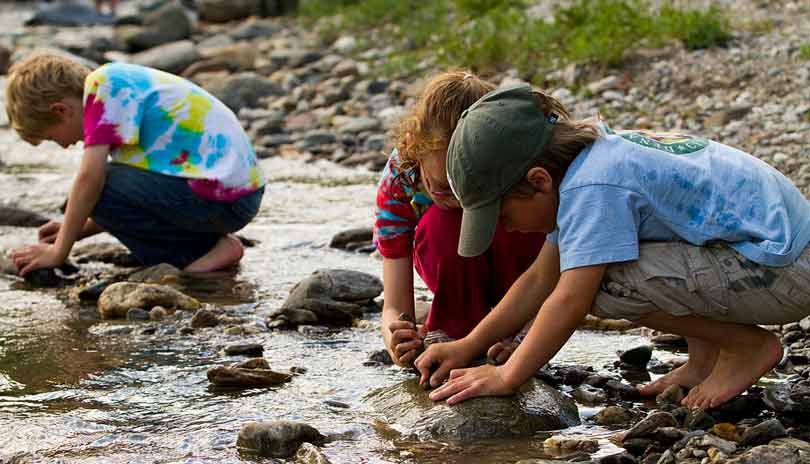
(540, 179)
(61, 109)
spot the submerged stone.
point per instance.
(237, 377)
(278, 439)
(535, 407)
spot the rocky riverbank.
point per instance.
(303, 99)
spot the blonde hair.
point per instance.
(568, 138)
(427, 129)
(35, 84)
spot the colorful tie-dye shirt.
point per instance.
(401, 202)
(160, 122)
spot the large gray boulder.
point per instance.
(172, 57)
(244, 90)
(332, 297)
(536, 407)
(169, 23)
(11, 216)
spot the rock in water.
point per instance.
(16, 217)
(535, 407)
(237, 377)
(69, 14)
(116, 299)
(335, 296)
(278, 439)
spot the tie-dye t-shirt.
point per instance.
(401, 202)
(160, 122)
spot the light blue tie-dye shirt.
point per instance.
(634, 186)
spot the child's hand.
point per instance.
(447, 355)
(37, 256)
(405, 341)
(501, 351)
(47, 232)
(486, 380)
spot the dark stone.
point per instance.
(137, 314)
(380, 357)
(245, 349)
(358, 235)
(618, 389)
(535, 407)
(244, 90)
(763, 433)
(237, 377)
(648, 426)
(61, 276)
(278, 439)
(622, 458)
(69, 14)
(336, 404)
(669, 341)
(16, 217)
(779, 397)
(698, 419)
(335, 296)
(93, 292)
(204, 318)
(638, 357)
(589, 395)
(167, 24)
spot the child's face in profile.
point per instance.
(434, 175)
(69, 129)
(536, 213)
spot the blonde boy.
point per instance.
(167, 168)
(676, 232)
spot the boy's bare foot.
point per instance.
(227, 252)
(702, 357)
(753, 354)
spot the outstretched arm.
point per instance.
(401, 340)
(84, 195)
(517, 307)
(560, 315)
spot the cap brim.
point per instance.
(478, 228)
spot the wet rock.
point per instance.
(17, 217)
(783, 398)
(621, 458)
(172, 57)
(614, 415)
(278, 439)
(162, 273)
(352, 238)
(116, 299)
(110, 253)
(561, 444)
(62, 276)
(93, 292)
(637, 357)
(204, 318)
(708, 441)
(589, 395)
(618, 389)
(238, 377)
(243, 90)
(698, 419)
(535, 407)
(310, 454)
(68, 14)
(672, 395)
(335, 296)
(253, 363)
(767, 455)
(158, 313)
(647, 427)
(668, 341)
(380, 357)
(763, 433)
(245, 349)
(137, 314)
(169, 23)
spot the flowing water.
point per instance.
(77, 389)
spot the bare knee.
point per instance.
(235, 245)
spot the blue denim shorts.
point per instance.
(161, 220)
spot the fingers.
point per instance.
(407, 358)
(447, 390)
(402, 348)
(439, 375)
(422, 364)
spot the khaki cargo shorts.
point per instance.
(712, 281)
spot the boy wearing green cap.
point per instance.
(674, 232)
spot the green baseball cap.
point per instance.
(494, 145)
